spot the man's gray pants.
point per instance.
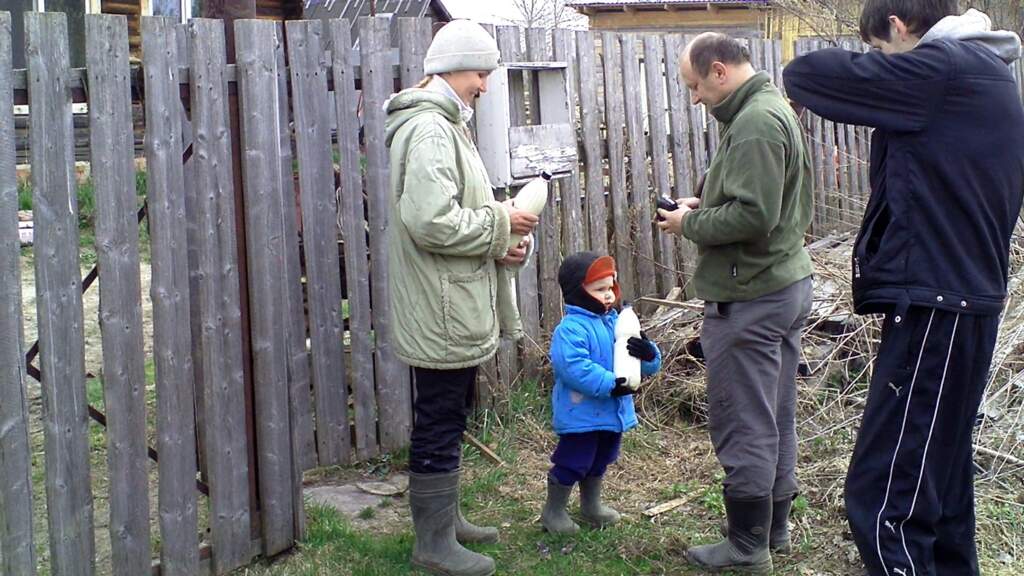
(752, 350)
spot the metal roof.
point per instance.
(351, 10)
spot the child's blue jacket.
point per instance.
(582, 350)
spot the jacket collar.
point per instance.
(571, 309)
(727, 109)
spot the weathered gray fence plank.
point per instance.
(678, 105)
(640, 196)
(682, 157)
(393, 382)
(299, 379)
(311, 109)
(172, 337)
(353, 223)
(547, 234)
(414, 36)
(574, 236)
(59, 297)
(657, 111)
(17, 550)
(698, 133)
(615, 121)
(117, 246)
(526, 281)
(226, 445)
(590, 119)
(256, 43)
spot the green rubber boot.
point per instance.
(745, 550)
(554, 517)
(434, 502)
(591, 508)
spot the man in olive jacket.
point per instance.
(755, 278)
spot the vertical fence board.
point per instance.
(393, 384)
(256, 42)
(615, 121)
(547, 234)
(682, 158)
(17, 550)
(574, 236)
(678, 105)
(172, 337)
(590, 120)
(59, 296)
(526, 280)
(640, 197)
(657, 111)
(310, 107)
(220, 311)
(117, 246)
(357, 271)
(414, 36)
(299, 378)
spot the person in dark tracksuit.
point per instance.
(591, 408)
(754, 276)
(947, 179)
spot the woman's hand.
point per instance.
(517, 254)
(523, 222)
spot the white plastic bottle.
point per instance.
(533, 197)
(627, 366)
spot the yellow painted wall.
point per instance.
(662, 20)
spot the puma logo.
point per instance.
(900, 571)
(895, 388)
(890, 526)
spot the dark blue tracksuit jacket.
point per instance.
(947, 169)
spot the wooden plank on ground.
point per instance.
(574, 236)
(311, 109)
(394, 391)
(299, 378)
(353, 223)
(17, 549)
(112, 148)
(220, 312)
(657, 117)
(59, 296)
(549, 240)
(640, 196)
(590, 120)
(414, 36)
(615, 121)
(255, 43)
(172, 337)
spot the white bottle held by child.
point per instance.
(533, 197)
(627, 366)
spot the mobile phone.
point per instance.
(666, 204)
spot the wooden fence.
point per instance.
(271, 346)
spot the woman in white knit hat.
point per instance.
(451, 269)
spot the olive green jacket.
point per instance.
(450, 298)
(757, 200)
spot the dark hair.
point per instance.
(716, 47)
(918, 15)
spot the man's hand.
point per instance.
(523, 222)
(621, 389)
(516, 255)
(673, 221)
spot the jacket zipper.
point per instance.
(856, 267)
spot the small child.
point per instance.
(591, 407)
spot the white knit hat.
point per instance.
(461, 45)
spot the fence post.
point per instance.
(393, 382)
(256, 45)
(59, 296)
(117, 245)
(17, 550)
